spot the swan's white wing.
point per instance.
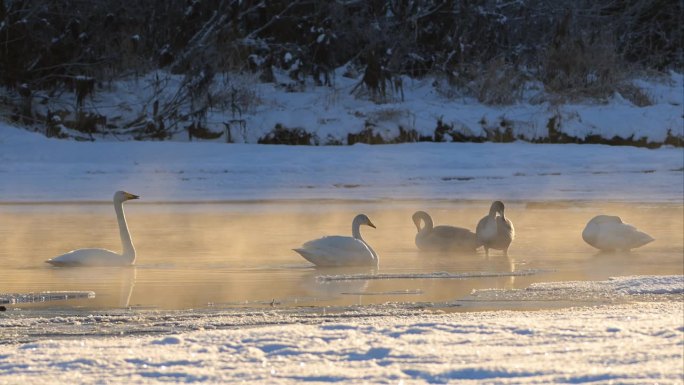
(451, 232)
(486, 229)
(590, 233)
(89, 257)
(639, 238)
(621, 236)
(505, 227)
(446, 238)
(337, 251)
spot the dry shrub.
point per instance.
(634, 94)
(500, 83)
(86, 122)
(233, 57)
(288, 136)
(236, 93)
(388, 114)
(446, 89)
(578, 66)
(367, 136)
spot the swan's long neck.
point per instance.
(356, 233)
(492, 212)
(425, 217)
(126, 242)
(428, 222)
(356, 228)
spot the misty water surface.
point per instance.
(218, 255)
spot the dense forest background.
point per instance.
(577, 48)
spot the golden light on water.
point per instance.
(240, 254)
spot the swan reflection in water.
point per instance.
(316, 285)
(113, 286)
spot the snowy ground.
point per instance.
(633, 343)
(38, 169)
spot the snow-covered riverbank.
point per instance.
(428, 109)
(38, 169)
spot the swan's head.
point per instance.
(122, 196)
(497, 207)
(419, 216)
(362, 219)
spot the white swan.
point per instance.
(102, 257)
(607, 232)
(338, 250)
(495, 231)
(442, 238)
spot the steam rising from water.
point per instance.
(194, 255)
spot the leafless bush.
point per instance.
(635, 94)
(578, 65)
(236, 93)
(500, 83)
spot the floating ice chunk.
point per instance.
(615, 288)
(650, 284)
(45, 296)
(435, 275)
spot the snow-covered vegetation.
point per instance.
(341, 72)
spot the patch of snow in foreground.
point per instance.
(628, 287)
(620, 344)
(632, 343)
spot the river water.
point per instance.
(239, 254)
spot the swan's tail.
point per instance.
(640, 239)
(308, 256)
